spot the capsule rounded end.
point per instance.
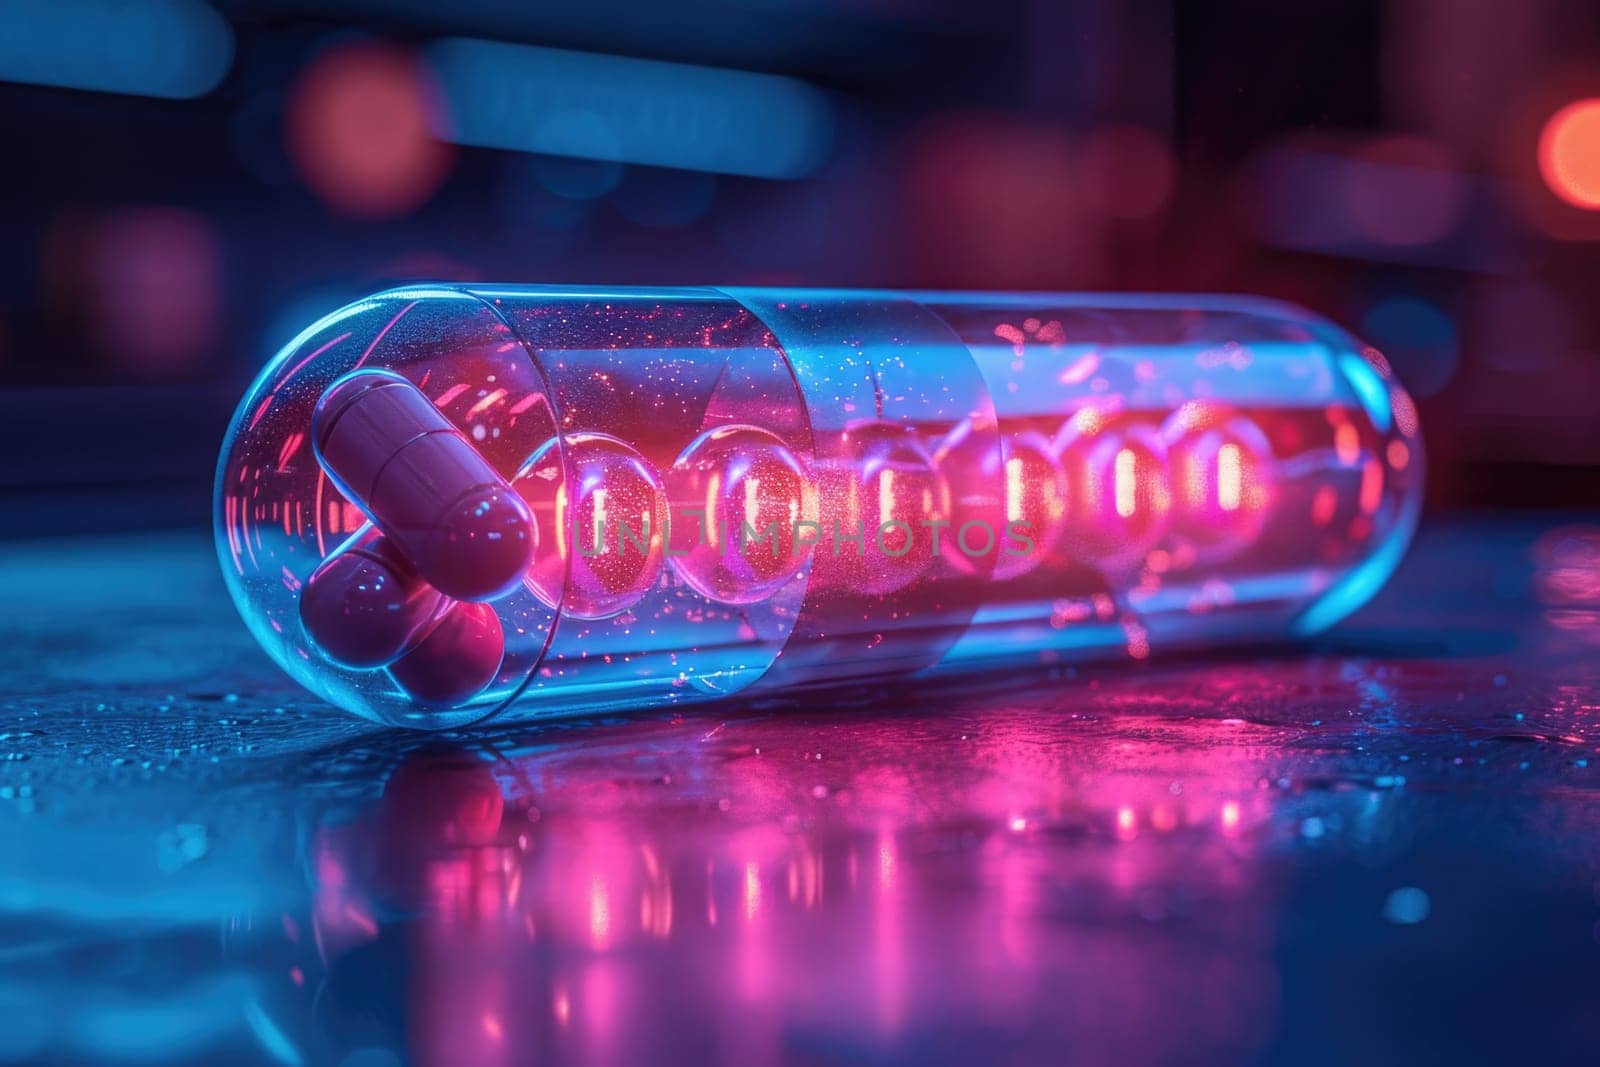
(363, 608)
(1383, 467)
(456, 661)
(482, 546)
(339, 396)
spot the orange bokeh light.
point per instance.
(1569, 153)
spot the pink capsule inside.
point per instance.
(457, 659)
(366, 604)
(424, 485)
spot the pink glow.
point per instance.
(358, 128)
(1127, 824)
(599, 914)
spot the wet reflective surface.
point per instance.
(1386, 846)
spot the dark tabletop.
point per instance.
(1383, 847)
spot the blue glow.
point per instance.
(1417, 336)
(176, 49)
(624, 110)
(270, 1034)
(1407, 906)
(1372, 391)
(1179, 597)
(160, 1025)
(1362, 583)
(576, 179)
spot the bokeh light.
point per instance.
(359, 129)
(1130, 170)
(621, 109)
(994, 200)
(1404, 191)
(524, 200)
(152, 288)
(576, 179)
(1420, 339)
(1569, 154)
(175, 49)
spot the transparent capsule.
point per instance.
(445, 503)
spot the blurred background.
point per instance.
(188, 184)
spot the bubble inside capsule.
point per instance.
(601, 520)
(1220, 465)
(1117, 491)
(738, 495)
(1036, 494)
(879, 501)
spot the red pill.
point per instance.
(456, 660)
(445, 508)
(364, 605)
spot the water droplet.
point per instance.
(1407, 906)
